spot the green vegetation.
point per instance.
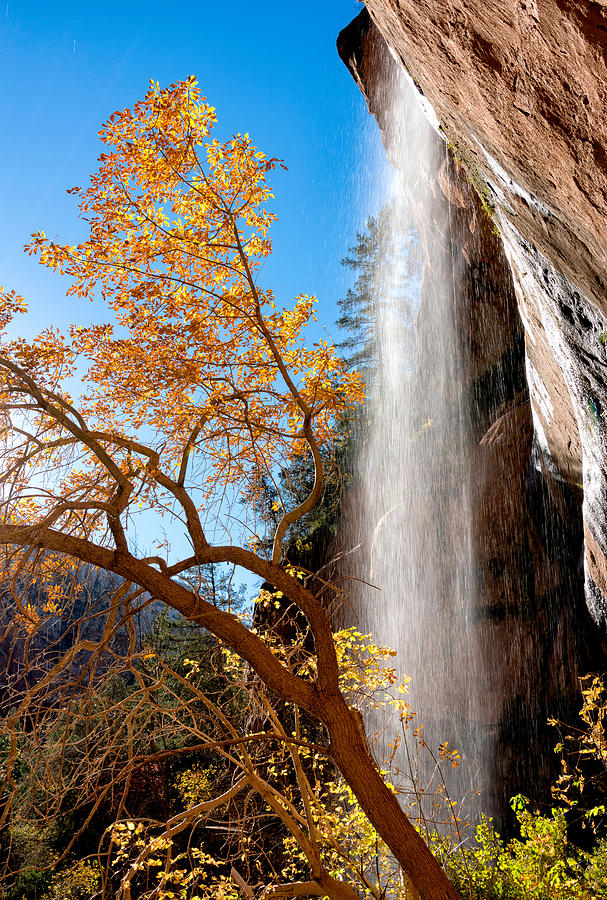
(543, 864)
(385, 246)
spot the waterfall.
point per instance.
(416, 587)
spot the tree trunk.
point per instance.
(348, 749)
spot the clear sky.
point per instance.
(269, 68)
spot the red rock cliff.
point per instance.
(519, 89)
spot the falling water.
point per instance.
(415, 514)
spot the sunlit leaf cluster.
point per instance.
(197, 365)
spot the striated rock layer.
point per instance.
(519, 91)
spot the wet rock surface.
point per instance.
(566, 339)
(530, 266)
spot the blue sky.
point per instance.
(269, 68)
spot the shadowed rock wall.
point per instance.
(532, 353)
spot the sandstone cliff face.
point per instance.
(518, 90)
(521, 85)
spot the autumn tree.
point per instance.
(199, 386)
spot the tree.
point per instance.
(279, 801)
(387, 259)
(198, 387)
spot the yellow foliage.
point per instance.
(198, 353)
(195, 785)
(80, 882)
